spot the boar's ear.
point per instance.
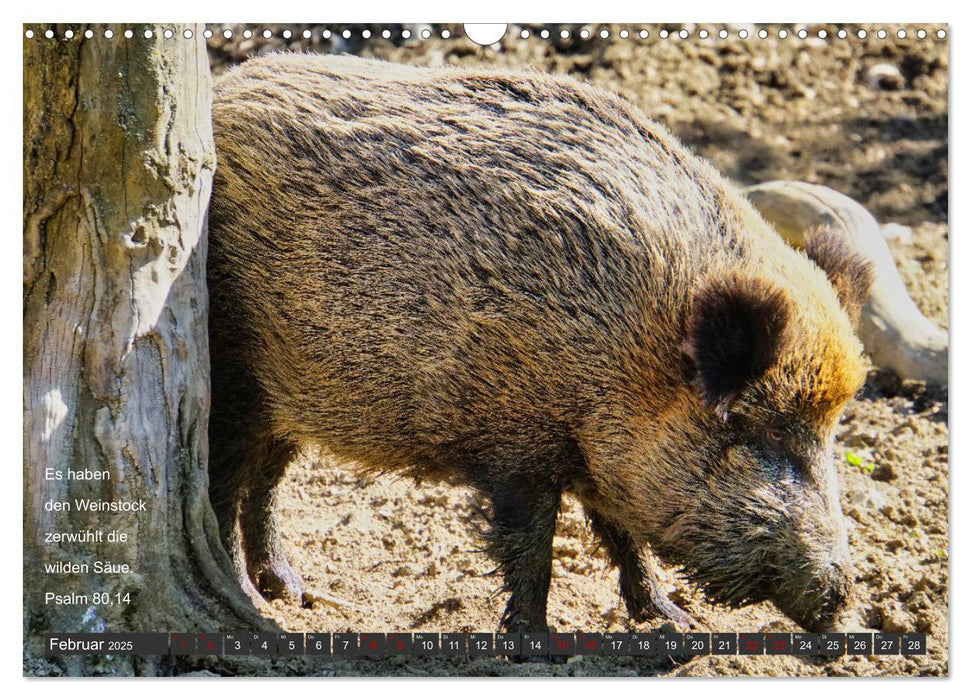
(734, 334)
(849, 273)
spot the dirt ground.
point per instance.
(386, 555)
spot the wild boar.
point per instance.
(519, 282)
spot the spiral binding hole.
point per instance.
(564, 33)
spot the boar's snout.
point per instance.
(818, 606)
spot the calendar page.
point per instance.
(485, 350)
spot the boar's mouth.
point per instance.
(755, 568)
(818, 604)
(813, 602)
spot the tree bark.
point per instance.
(118, 164)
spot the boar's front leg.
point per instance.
(523, 521)
(640, 587)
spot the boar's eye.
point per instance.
(782, 446)
(775, 441)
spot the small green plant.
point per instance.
(857, 461)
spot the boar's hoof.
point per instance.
(658, 606)
(276, 580)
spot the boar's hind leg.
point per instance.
(266, 562)
(639, 585)
(521, 539)
(245, 466)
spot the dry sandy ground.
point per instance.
(404, 557)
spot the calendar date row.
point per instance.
(487, 644)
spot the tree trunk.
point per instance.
(118, 164)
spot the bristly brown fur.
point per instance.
(491, 277)
(848, 272)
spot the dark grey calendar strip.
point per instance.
(487, 644)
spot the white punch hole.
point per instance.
(485, 34)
